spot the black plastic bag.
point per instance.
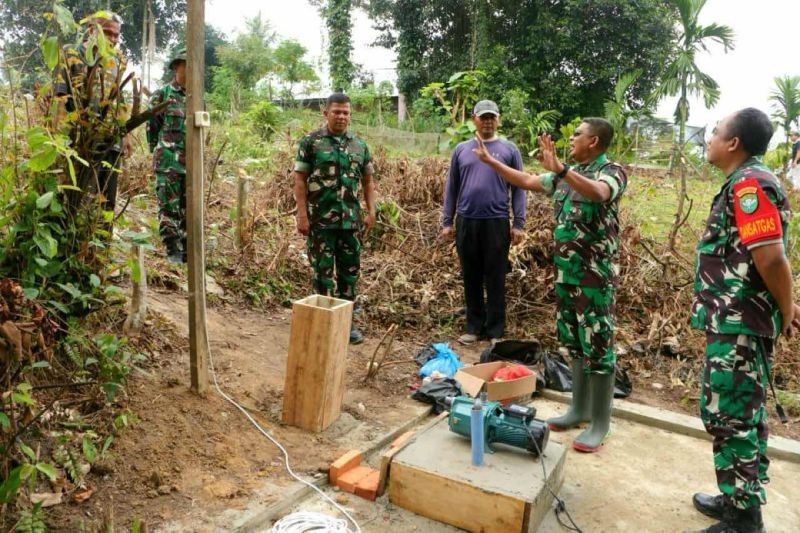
(434, 392)
(622, 383)
(425, 355)
(558, 376)
(522, 352)
(557, 373)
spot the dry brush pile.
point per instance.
(411, 277)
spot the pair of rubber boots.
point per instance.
(591, 402)
(731, 519)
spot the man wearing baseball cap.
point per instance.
(478, 199)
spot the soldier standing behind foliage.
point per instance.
(166, 136)
(89, 91)
(331, 163)
(743, 301)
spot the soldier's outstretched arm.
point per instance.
(518, 178)
(771, 263)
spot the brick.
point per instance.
(347, 481)
(367, 488)
(344, 463)
(399, 441)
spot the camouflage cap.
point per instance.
(180, 55)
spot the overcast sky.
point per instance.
(767, 37)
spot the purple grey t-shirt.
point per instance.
(474, 190)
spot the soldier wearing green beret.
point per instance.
(166, 136)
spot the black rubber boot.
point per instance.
(601, 392)
(579, 408)
(711, 506)
(739, 521)
(356, 337)
(173, 251)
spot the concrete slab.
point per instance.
(641, 480)
(433, 476)
(777, 448)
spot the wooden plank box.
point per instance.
(433, 476)
(315, 366)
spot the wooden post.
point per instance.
(315, 367)
(198, 335)
(138, 309)
(242, 213)
(401, 108)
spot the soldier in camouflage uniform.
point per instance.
(330, 165)
(166, 135)
(106, 105)
(586, 236)
(743, 301)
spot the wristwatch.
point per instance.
(560, 175)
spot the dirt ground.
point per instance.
(193, 456)
(190, 463)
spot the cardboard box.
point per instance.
(476, 378)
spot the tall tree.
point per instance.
(337, 14)
(565, 54)
(244, 63)
(683, 78)
(786, 99)
(291, 66)
(23, 22)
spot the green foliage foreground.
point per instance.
(55, 248)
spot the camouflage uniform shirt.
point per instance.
(587, 233)
(166, 132)
(334, 165)
(751, 209)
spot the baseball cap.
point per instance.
(485, 106)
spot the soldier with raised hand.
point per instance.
(586, 234)
(166, 136)
(331, 163)
(743, 301)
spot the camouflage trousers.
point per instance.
(734, 392)
(585, 325)
(171, 194)
(338, 249)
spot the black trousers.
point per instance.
(482, 246)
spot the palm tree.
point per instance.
(786, 97)
(682, 77)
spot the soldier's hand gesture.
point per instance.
(547, 154)
(481, 151)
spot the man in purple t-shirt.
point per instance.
(482, 230)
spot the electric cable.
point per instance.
(561, 505)
(300, 521)
(296, 522)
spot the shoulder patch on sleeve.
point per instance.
(757, 218)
